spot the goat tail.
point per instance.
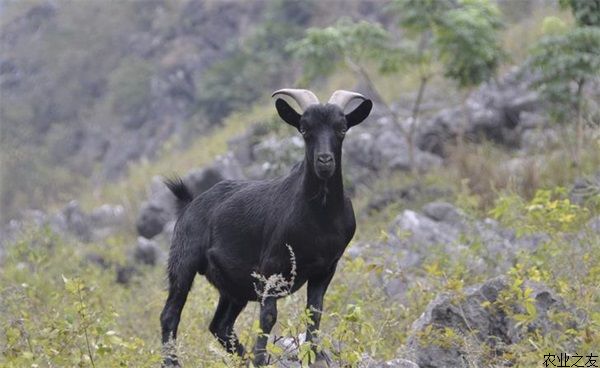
(181, 191)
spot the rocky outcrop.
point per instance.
(415, 235)
(158, 210)
(499, 112)
(453, 327)
(585, 189)
(72, 220)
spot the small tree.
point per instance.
(568, 59)
(460, 35)
(467, 42)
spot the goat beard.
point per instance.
(321, 193)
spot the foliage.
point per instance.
(548, 211)
(467, 39)
(565, 61)
(257, 65)
(586, 12)
(322, 50)
(462, 37)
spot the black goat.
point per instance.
(238, 229)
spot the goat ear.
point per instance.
(359, 114)
(287, 113)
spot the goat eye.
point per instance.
(303, 131)
(343, 132)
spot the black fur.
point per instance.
(238, 228)
(181, 191)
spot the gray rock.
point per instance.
(159, 209)
(275, 156)
(229, 167)
(444, 212)
(147, 252)
(98, 260)
(379, 145)
(585, 188)
(125, 273)
(494, 112)
(152, 219)
(368, 362)
(107, 216)
(201, 180)
(594, 225)
(77, 222)
(475, 318)
(397, 363)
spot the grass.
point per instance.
(57, 309)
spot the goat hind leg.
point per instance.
(171, 314)
(222, 324)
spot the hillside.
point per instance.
(477, 243)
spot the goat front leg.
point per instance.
(268, 317)
(315, 295)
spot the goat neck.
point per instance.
(321, 193)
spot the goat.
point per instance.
(238, 229)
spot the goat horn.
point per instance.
(303, 97)
(342, 98)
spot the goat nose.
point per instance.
(325, 158)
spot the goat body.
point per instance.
(239, 231)
(242, 228)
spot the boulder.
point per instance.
(494, 112)
(443, 212)
(198, 181)
(107, 216)
(380, 146)
(148, 252)
(452, 323)
(585, 188)
(125, 274)
(368, 362)
(413, 238)
(152, 218)
(77, 222)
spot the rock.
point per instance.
(275, 156)
(378, 146)
(229, 167)
(474, 317)
(147, 252)
(593, 225)
(585, 188)
(125, 274)
(98, 260)
(494, 112)
(152, 219)
(396, 363)
(444, 212)
(413, 238)
(159, 209)
(198, 181)
(77, 222)
(107, 216)
(368, 362)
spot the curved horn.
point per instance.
(303, 97)
(342, 98)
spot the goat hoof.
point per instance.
(260, 360)
(170, 363)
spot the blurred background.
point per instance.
(480, 160)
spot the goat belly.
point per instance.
(230, 276)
